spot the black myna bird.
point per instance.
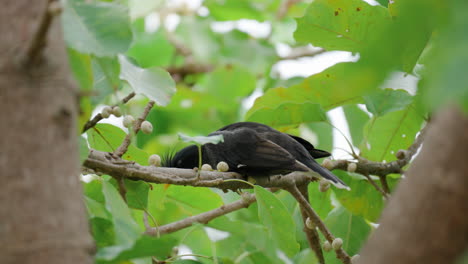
(256, 149)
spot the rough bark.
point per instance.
(42, 215)
(426, 220)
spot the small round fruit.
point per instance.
(222, 166)
(355, 258)
(106, 112)
(128, 121)
(328, 163)
(401, 154)
(327, 246)
(309, 223)
(154, 160)
(146, 127)
(116, 111)
(206, 167)
(337, 243)
(352, 167)
(324, 185)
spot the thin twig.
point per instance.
(136, 127)
(91, 123)
(340, 253)
(204, 218)
(37, 43)
(311, 233)
(376, 186)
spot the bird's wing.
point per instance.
(315, 153)
(270, 156)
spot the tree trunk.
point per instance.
(426, 220)
(42, 216)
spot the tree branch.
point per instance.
(340, 253)
(91, 123)
(203, 218)
(136, 127)
(37, 43)
(382, 169)
(110, 164)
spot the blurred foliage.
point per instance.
(203, 78)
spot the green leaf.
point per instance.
(387, 134)
(384, 101)
(96, 209)
(234, 10)
(150, 49)
(363, 199)
(341, 24)
(356, 120)
(352, 229)
(99, 28)
(137, 194)
(277, 219)
(306, 256)
(106, 137)
(80, 64)
(256, 55)
(236, 82)
(324, 133)
(201, 140)
(126, 229)
(145, 246)
(287, 114)
(193, 200)
(320, 201)
(93, 190)
(102, 230)
(155, 83)
(325, 88)
(106, 77)
(445, 79)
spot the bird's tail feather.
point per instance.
(327, 175)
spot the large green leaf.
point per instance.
(287, 114)
(80, 64)
(351, 228)
(387, 134)
(356, 120)
(106, 137)
(155, 83)
(229, 83)
(277, 219)
(103, 231)
(145, 246)
(237, 9)
(99, 28)
(326, 89)
(150, 49)
(126, 229)
(445, 80)
(362, 200)
(388, 100)
(341, 24)
(137, 194)
(253, 54)
(105, 77)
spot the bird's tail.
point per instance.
(327, 175)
